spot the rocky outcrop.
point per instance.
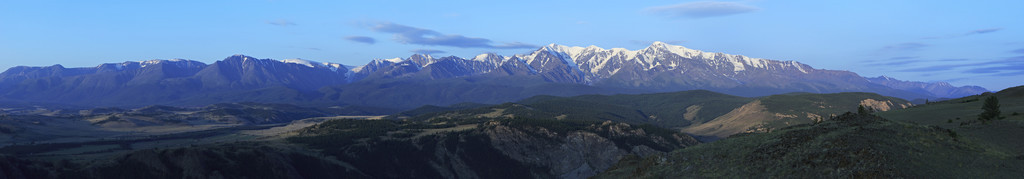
(883, 105)
(492, 148)
(576, 154)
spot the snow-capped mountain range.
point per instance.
(552, 69)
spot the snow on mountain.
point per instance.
(131, 65)
(299, 61)
(313, 64)
(491, 60)
(394, 60)
(358, 69)
(482, 57)
(334, 66)
(593, 59)
(656, 68)
(566, 54)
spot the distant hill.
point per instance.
(849, 146)
(697, 112)
(610, 136)
(960, 115)
(37, 125)
(938, 89)
(935, 140)
(358, 148)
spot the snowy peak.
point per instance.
(738, 62)
(384, 62)
(240, 57)
(181, 63)
(422, 60)
(658, 67)
(300, 61)
(681, 51)
(487, 57)
(393, 60)
(564, 53)
(130, 65)
(246, 60)
(569, 51)
(492, 60)
(313, 64)
(883, 77)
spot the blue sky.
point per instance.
(961, 42)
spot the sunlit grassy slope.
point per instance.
(961, 115)
(926, 141)
(698, 112)
(858, 146)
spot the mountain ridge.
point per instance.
(660, 67)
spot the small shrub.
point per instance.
(949, 121)
(953, 134)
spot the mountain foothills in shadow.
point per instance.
(36, 125)
(607, 136)
(937, 89)
(556, 112)
(937, 140)
(539, 137)
(425, 80)
(348, 148)
(699, 112)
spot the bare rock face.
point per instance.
(883, 105)
(578, 155)
(574, 154)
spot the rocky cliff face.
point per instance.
(576, 154)
(495, 148)
(498, 148)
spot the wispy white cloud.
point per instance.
(452, 15)
(909, 46)
(1011, 66)
(973, 32)
(362, 39)
(933, 68)
(983, 31)
(1005, 67)
(1018, 51)
(902, 58)
(420, 36)
(702, 9)
(281, 22)
(427, 51)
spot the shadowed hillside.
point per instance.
(850, 145)
(697, 112)
(936, 140)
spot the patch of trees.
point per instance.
(990, 110)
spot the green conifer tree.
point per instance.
(991, 110)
